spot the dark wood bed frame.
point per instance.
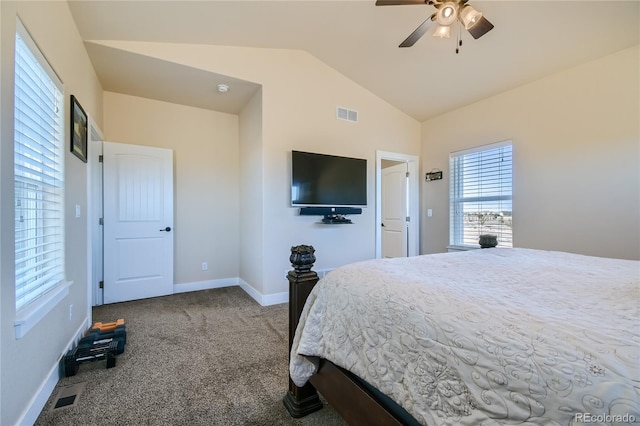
(339, 388)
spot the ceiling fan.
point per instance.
(446, 14)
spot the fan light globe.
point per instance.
(469, 16)
(442, 31)
(447, 14)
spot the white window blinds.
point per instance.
(38, 173)
(481, 194)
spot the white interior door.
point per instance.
(138, 222)
(394, 211)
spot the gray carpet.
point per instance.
(212, 357)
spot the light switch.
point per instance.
(77, 210)
(429, 213)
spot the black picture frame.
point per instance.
(79, 130)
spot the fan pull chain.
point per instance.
(459, 40)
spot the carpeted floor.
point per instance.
(212, 357)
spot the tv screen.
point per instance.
(327, 180)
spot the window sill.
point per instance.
(27, 318)
(461, 248)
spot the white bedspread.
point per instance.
(484, 337)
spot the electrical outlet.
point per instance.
(70, 312)
(205, 266)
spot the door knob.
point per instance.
(168, 229)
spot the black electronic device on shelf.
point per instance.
(334, 219)
(331, 215)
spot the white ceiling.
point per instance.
(531, 39)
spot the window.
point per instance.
(480, 194)
(38, 181)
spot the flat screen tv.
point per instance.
(320, 180)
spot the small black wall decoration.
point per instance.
(79, 130)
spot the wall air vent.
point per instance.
(347, 114)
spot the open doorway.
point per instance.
(397, 219)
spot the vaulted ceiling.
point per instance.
(531, 39)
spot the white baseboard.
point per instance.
(275, 299)
(39, 400)
(264, 300)
(204, 285)
(255, 295)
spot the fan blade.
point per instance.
(399, 2)
(481, 27)
(418, 32)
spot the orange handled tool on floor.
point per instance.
(108, 326)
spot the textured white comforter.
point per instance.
(484, 337)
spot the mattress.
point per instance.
(484, 337)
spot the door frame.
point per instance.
(94, 214)
(413, 228)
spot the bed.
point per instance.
(482, 337)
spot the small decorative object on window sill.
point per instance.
(488, 240)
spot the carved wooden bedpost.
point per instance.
(304, 400)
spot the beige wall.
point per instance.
(576, 148)
(206, 177)
(299, 97)
(26, 364)
(301, 115)
(251, 194)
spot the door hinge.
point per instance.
(100, 158)
(101, 284)
(101, 221)
(407, 174)
(408, 219)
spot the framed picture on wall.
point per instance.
(78, 130)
